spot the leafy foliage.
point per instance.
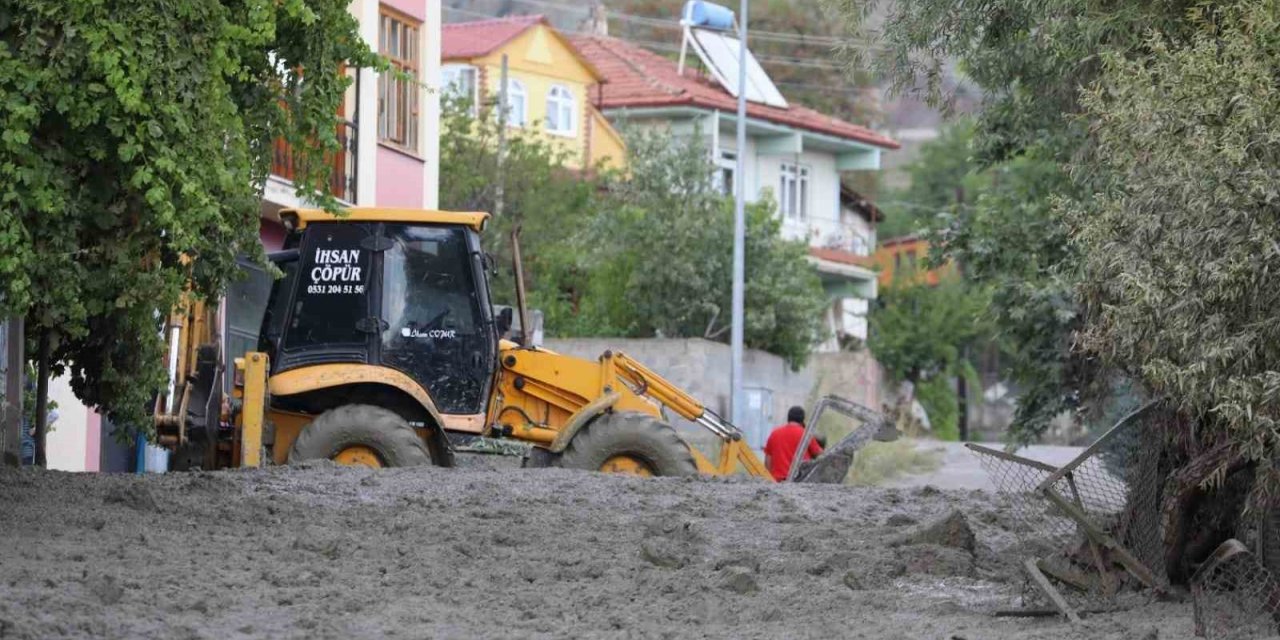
(541, 197)
(137, 134)
(943, 172)
(663, 241)
(1031, 60)
(919, 333)
(1179, 241)
(641, 253)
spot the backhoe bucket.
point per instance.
(833, 465)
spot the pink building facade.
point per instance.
(391, 152)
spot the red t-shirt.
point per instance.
(781, 449)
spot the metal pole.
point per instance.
(499, 189)
(736, 408)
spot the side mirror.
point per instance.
(490, 265)
(505, 317)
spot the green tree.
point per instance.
(137, 134)
(661, 247)
(640, 253)
(1179, 241)
(921, 333)
(550, 204)
(940, 176)
(1031, 60)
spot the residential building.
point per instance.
(391, 145)
(389, 130)
(905, 257)
(548, 84)
(793, 154)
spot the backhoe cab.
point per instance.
(380, 342)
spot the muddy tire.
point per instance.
(385, 432)
(637, 436)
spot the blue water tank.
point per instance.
(707, 15)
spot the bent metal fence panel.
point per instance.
(1093, 525)
(1235, 597)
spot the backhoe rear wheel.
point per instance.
(630, 443)
(360, 435)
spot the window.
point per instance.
(330, 300)
(246, 302)
(517, 103)
(793, 194)
(458, 82)
(398, 98)
(436, 329)
(726, 164)
(562, 111)
(859, 245)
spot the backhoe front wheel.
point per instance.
(360, 435)
(629, 443)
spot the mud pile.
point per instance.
(327, 552)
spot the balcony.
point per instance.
(342, 175)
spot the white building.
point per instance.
(795, 153)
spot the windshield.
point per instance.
(436, 330)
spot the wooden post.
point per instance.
(11, 367)
(1056, 598)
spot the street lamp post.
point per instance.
(736, 405)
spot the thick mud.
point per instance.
(326, 552)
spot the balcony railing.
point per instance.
(342, 174)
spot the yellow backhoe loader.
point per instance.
(380, 341)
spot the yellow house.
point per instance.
(547, 88)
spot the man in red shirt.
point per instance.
(780, 450)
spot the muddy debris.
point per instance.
(740, 580)
(900, 520)
(953, 530)
(132, 495)
(937, 560)
(105, 588)
(472, 552)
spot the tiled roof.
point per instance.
(473, 39)
(860, 205)
(636, 77)
(841, 256)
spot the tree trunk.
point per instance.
(1197, 519)
(42, 397)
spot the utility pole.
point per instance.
(962, 386)
(736, 404)
(499, 189)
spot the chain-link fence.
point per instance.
(1235, 597)
(1093, 525)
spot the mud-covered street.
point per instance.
(327, 552)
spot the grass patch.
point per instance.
(880, 461)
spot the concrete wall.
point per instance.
(73, 444)
(701, 367)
